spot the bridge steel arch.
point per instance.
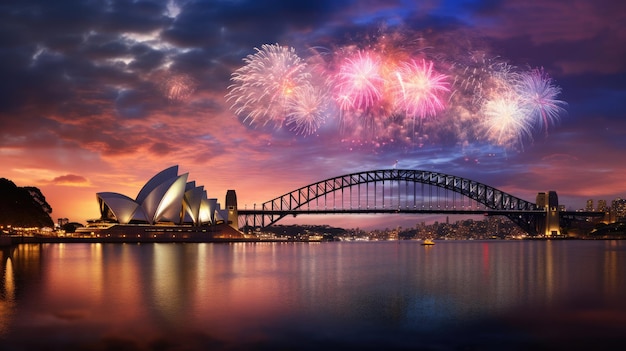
(524, 213)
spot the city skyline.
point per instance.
(99, 97)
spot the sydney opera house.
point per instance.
(168, 207)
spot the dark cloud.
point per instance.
(246, 23)
(145, 58)
(136, 16)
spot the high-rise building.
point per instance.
(541, 200)
(619, 208)
(589, 207)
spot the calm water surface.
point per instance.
(464, 295)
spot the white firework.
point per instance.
(263, 86)
(307, 109)
(506, 121)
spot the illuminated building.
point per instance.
(550, 202)
(168, 202)
(619, 208)
(602, 207)
(166, 198)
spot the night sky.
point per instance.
(101, 95)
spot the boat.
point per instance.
(428, 242)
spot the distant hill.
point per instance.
(609, 231)
(23, 206)
(294, 229)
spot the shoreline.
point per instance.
(16, 240)
(7, 241)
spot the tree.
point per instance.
(23, 206)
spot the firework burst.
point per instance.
(419, 89)
(539, 94)
(262, 88)
(506, 121)
(307, 109)
(178, 87)
(377, 90)
(476, 77)
(359, 83)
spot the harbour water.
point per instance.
(396, 295)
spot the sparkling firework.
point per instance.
(419, 89)
(359, 83)
(377, 90)
(178, 88)
(539, 94)
(307, 109)
(506, 121)
(476, 77)
(262, 88)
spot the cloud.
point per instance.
(578, 38)
(70, 180)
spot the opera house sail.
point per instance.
(168, 206)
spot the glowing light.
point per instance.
(419, 89)
(359, 83)
(261, 89)
(179, 87)
(307, 108)
(380, 86)
(506, 121)
(539, 94)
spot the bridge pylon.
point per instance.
(551, 226)
(231, 205)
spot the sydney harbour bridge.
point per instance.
(398, 191)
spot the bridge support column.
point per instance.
(552, 225)
(231, 205)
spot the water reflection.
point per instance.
(308, 296)
(7, 290)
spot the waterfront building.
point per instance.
(550, 202)
(167, 204)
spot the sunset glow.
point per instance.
(265, 99)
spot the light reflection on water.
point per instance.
(366, 295)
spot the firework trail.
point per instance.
(262, 88)
(477, 76)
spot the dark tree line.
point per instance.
(23, 206)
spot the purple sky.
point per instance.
(83, 107)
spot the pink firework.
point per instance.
(539, 95)
(419, 89)
(359, 83)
